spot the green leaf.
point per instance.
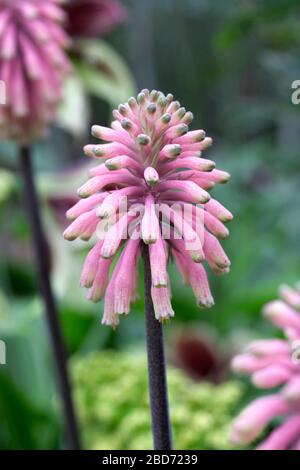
(74, 112)
(23, 424)
(103, 72)
(7, 184)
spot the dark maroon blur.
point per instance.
(92, 18)
(200, 355)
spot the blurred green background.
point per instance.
(232, 64)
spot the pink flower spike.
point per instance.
(144, 194)
(273, 363)
(33, 65)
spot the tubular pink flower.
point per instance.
(151, 187)
(32, 65)
(290, 296)
(162, 303)
(90, 266)
(286, 433)
(255, 418)
(124, 280)
(271, 376)
(97, 290)
(150, 224)
(274, 363)
(158, 262)
(85, 205)
(283, 315)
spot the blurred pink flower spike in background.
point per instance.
(32, 65)
(274, 363)
(155, 163)
(92, 18)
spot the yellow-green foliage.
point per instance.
(112, 399)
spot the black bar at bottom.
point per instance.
(134, 459)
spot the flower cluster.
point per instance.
(274, 363)
(111, 419)
(32, 65)
(153, 162)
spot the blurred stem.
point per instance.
(41, 250)
(158, 390)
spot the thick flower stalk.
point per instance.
(274, 364)
(92, 18)
(32, 65)
(151, 187)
